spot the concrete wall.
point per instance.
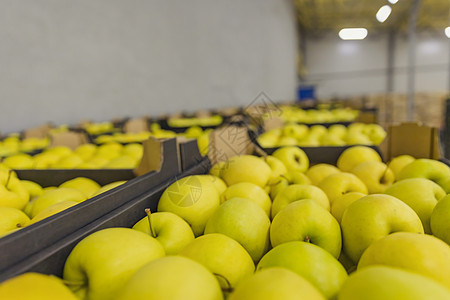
(65, 60)
(351, 68)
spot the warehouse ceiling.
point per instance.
(317, 16)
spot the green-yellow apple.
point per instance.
(269, 138)
(100, 265)
(373, 217)
(387, 283)
(439, 221)
(244, 221)
(336, 185)
(171, 278)
(122, 162)
(294, 130)
(108, 187)
(341, 203)
(35, 286)
(357, 139)
(296, 192)
(54, 196)
(86, 151)
(218, 183)
(45, 159)
(246, 168)
(420, 253)
(217, 169)
(331, 139)
(293, 158)
(320, 171)
(223, 256)
(19, 161)
(317, 130)
(286, 141)
(34, 189)
(307, 221)
(248, 191)
(192, 198)
(12, 192)
(426, 168)
(291, 177)
(355, 155)
(375, 175)
(85, 185)
(311, 262)
(399, 162)
(276, 283)
(12, 218)
(70, 161)
(277, 166)
(420, 194)
(169, 229)
(338, 130)
(52, 210)
(375, 132)
(135, 150)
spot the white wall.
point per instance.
(64, 60)
(350, 68)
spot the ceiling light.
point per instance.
(353, 33)
(393, 1)
(383, 13)
(447, 32)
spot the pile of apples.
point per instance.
(214, 120)
(110, 155)
(13, 144)
(274, 227)
(24, 202)
(318, 135)
(293, 114)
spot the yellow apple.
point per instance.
(85, 185)
(246, 168)
(420, 253)
(338, 184)
(355, 155)
(373, 217)
(248, 191)
(35, 286)
(399, 162)
(276, 283)
(375, 175)
(318, 172)
(52, 210)
(341, 203)
(439, 220)
(54, 196)
(12, 218)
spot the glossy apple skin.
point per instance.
(420, 253)
(309, 261)
(244, 221)
(420, 194)
(100, 264)
(276, 283)
(221, 255)
(439, 220)
(306, 220)
(372, 218)
(171, 278)
(383, 282)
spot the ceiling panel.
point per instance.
(324, 15)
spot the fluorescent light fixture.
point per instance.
(447, 32)
(393, 1)
(383, 13)
(353, 33)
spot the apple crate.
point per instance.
(22, 245)
(50, 254)
(316, 155)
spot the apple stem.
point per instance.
(149, 216)
(307, 239)
(229, 288)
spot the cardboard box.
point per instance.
(50, 258)
(415, 139)
(160, 164)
